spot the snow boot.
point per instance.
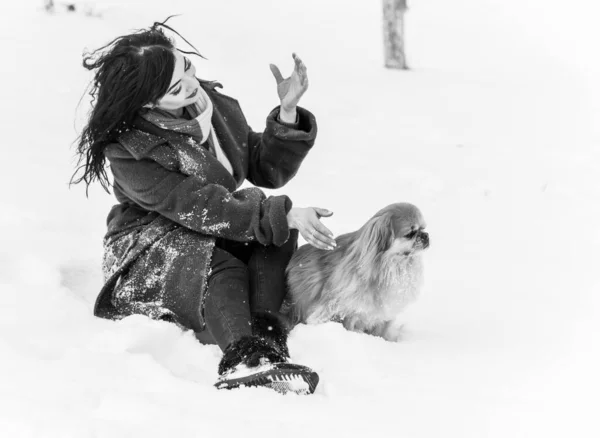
(271, 328)
(261, 360)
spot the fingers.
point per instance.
(276, 73)
(322, 212)
(299, 63)
(300, 68)
(319, 240)
(306, 220)
(320, 233)
(324, 236)
(324, 231)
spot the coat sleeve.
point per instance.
(276, 153)
(244, 215)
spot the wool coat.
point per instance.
(175, 198)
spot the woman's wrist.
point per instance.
(291, 220)
(288, 116)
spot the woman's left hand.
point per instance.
(291, 89)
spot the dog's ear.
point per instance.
(376, 235)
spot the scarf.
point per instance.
(199, 126)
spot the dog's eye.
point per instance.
(411, 235)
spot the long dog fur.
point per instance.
(368, 279)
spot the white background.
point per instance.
(491, 133)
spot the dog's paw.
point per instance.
(393, 337)
(393, 333)
(390, 331)
(356, 324)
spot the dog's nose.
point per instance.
(423, 239)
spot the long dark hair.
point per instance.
(130, 72)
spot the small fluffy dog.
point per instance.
(367, 280)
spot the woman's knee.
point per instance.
(223, 264)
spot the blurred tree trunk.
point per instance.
(393, 33)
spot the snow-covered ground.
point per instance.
(491, 133)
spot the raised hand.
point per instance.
(291, 89)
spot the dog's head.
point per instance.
(398, 229)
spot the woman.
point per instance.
(183, 243)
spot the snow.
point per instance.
(491, 134)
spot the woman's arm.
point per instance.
(244, 215)
(276, 153)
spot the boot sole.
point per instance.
(283, 378)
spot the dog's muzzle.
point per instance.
(422, 240)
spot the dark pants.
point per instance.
(245, 278)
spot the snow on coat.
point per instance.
(175, 198)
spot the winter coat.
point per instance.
(175, 198)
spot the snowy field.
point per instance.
(492, 133)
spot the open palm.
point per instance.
(291, 89)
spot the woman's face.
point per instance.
(183, 89)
